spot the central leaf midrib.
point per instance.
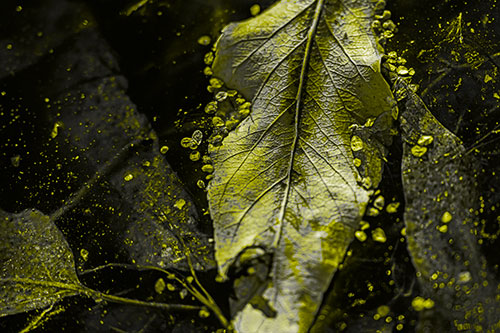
(298, 105)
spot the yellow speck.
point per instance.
(364, 225)
(379, 202)
(84, 254)
(128, 177)
(487, 78)
(420, 303)
(496, 95)
(360, 235)
(204, 313)
(15, 160)
(378, 235)
(418, 151)
(160, 285)
(443, 228)
(447, 217)
(372, 211)
(46, 100)
(356, 143)
(208, 168)
(392, 207)
(255, 10)
(3, 93)
(164, 149)
(366, 182)
(464, 277)
(55, 129)
(403, 232)
(19, 8)
(357, 162)
(170, 287)
(399, 327)
(209, 59)
(195, 156)
(186, 142)
(425, 140)
(200, 183)
(9, 46)
(383, 310)
(180, 203)
(369, 122)
(208, 71)
(204, 40)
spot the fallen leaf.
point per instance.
(284, 179)
(153, 217)
(37, 268)
(441, 197)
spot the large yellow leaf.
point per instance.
(285, 179)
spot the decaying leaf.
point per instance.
(441, 198)
(151, 213)
(285, 182)
(37, 268)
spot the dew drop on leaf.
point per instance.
(443, 229)
(360, 235)
(204, 40)
(356, 143)
(447, 217)
(378, 235)
(418, 151)
(379, 202)
(392, 207)
(208, 168)
(204, 313)
(211, 108)
(180, 203)
(55, 129)
(186, 142)
(255, 10)
(160, 285)
(383, 310)
(221, 96)
(425, 140)
(209, 58)
(84, 254)
(164, 149)
(194, 156)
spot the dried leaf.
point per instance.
(37, 268)
(152, 210)
(441, 197)
(284, 180)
